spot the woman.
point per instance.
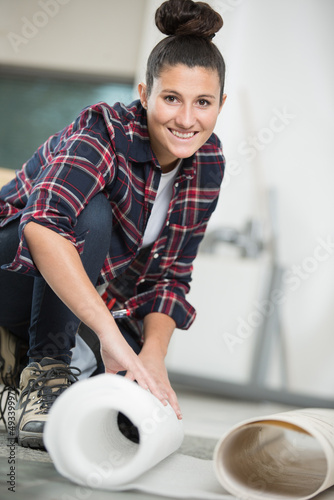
(120, 197)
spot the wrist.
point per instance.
(106, 328)
(158, 329)
(154, 348)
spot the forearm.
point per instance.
(60, 265)
(158, 330)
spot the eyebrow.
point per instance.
(202, 96)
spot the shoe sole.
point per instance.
(31, 440)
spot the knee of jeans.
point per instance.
(96, 217)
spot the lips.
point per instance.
(182, 135)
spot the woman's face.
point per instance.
(182, 111)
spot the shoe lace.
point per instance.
(47, 394)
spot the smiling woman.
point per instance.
(182, 110)
(134, 186)
(184, 90)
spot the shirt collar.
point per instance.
(140, 150)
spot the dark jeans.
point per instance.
(28, 306)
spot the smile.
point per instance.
(180, 135)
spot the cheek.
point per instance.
(162, 113)
(209, 122)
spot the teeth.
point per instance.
(183, 136)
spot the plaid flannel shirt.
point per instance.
(107, 149)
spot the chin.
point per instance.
(185, 153)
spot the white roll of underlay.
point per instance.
(84, 441)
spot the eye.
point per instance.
(171, 99)
(204, 103)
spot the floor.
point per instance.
(206, 418)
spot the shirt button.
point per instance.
(176, 184)
(142, 281)
(155, 256)
(167, 223)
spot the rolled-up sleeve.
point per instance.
(76, 165)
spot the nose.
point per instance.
(186, 116)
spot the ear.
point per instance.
(223, 102)
(142, 94)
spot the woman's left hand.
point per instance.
(155, 365)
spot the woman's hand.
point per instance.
(156, 367)
(158, 329)
(117, 356)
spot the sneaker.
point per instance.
(13, 358)
(40, 385)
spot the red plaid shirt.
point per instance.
(108, 149)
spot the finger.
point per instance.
(129, 375)
(148, 383)
(175, 405)
(173, 401)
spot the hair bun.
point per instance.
(185, 17)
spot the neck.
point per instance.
(169, 167)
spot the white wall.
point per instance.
(280, 59)
(84, 36)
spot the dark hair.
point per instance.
(190, 27)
